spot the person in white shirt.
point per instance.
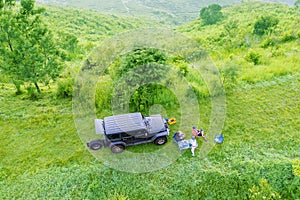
(193, 144)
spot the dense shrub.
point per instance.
(263, 191)
(211, 14)
(288, 36)
(32, 92)
(268, 42)
(65, 88)
(265, 24)
(137, 58)
(230, 74)
(103, 94)
(253, 57)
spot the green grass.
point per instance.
(31, 131)
(42, 156)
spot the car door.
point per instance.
(127, 138)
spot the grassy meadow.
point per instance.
(42, 156)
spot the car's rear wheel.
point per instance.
(95, 145)
(160, 140)
(117, 148)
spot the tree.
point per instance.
(138, 58)
(265, 24)
(28, 51)
(211, 14)
(297, 3)
(143, 70)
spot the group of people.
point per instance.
(179, 136)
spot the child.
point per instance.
(193, 144)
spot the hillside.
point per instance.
(174, 12)
(163, 11)
(43, 157)
(90, 27)
(231, 41)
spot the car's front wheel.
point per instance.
(117, 148)
(160, 140)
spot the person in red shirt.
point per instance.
(198, 133)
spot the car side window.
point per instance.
(126, 135)
(113, 136)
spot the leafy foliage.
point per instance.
(139, 58)
(65, 88)
(265, 24)
(263, 191)
(28, 50)
(211, 14)
(230, 75)
(143, 70)
(253, 57)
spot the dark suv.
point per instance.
(130, 129)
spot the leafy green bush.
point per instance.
(265, 24)
(143, 70)
(137, 58)
(253, 57)
(31, 90)
(268, 42)
(288, 36)
(263, 191)
(70, 46)
(4, 78)
(65, 87)
(276, 51)
(230, 74)
(296, 167)
(211, 14)
(183, 69)
(103, 93)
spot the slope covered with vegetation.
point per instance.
(233, 44)
(163, 11)
(42, 156)
(87, 28)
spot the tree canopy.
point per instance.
(29, 54)
(265, 24)
(211, 14)
(142, 70)
(139, 58)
